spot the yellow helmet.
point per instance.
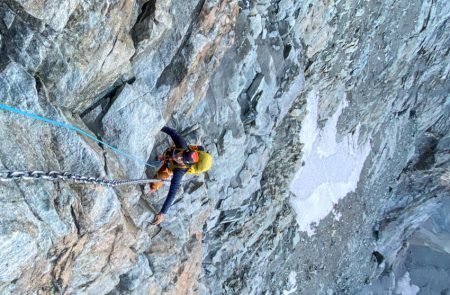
(204, 163)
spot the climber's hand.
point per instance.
(148, 190)
(158, 219)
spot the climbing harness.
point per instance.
(67, 176)
(153, 164)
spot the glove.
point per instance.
(158, 219)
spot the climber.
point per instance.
(177, 160)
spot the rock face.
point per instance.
(262, 85)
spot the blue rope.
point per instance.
(152, 164)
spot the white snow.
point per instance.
(331, 168)
(337, 215)
(404, 287)
(292, 282)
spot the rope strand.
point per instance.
(153, 164)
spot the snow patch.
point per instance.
(331, 169)
(404, 286)
(337, 215)
(292, 283)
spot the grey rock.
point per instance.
(7, 17)
(137, 278)
(54, 13)
(47, 221)
(239, 77)
(139, 142)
